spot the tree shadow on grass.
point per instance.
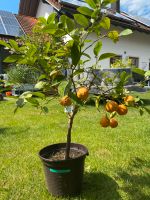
(146, 102)
(13, 131)
(4, 130)
(136, 179)
(99, 186)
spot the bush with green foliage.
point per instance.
(22, 74)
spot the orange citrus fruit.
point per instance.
(129, 98)
(83, 93)
(104, 121)
(113, 123)
(111, 106)
(65, 101)
(122, 109)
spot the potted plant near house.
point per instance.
(64, 51)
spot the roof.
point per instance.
(119, 19)
(26, 22)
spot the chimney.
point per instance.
(116, 6)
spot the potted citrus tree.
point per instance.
(61, 57)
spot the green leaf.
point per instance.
(61, 88)
(38, 94)
(43, 76)
(97, 48)
(86, 55)
(113, 114)
(147, 73)
(82, 20)
(42, 20)
(50, 28)
(40, 85)
(95, 13)
(91, 3)
(75, 54)
(14, 44)
(20, 103)
(106, 56)
(113, 35)
(25, 95)
(33, 101)
(85, 11)
(138, 71)
(45, 109)
(3, 43)
(11, 58)
(51, 18)
(70, 24)
(106, 2)
(78, 72)
(97, 101)
(141, 111)
(105, 23)
(63, 19)
(126, 32)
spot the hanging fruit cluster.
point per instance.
(113, 108)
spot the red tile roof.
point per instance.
(26, 22)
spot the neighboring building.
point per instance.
(135, 46)
(11, 27)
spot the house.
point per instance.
(135, 46)
(11, 27)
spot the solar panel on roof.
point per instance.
(9, 24)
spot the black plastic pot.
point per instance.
(63, 177)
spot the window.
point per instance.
(114, 59)
(134, 61)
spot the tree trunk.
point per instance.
(70, 123)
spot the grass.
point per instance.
(118, 166)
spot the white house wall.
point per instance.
(135, 45)
(44, 10)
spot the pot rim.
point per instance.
(85, 152)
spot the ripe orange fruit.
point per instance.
(83, 93)
(122, 109)
(65, 101)
(104, 121)
(111, 106)
(129, 98)
(113, 123)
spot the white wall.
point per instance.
(44, 10)
(134, 45)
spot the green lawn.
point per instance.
(118, 166)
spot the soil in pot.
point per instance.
(60, 154)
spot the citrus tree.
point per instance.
(64, 64)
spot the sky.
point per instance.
(136, 7)
(10, 5)
(133, 7)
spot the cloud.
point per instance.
(136, 7)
